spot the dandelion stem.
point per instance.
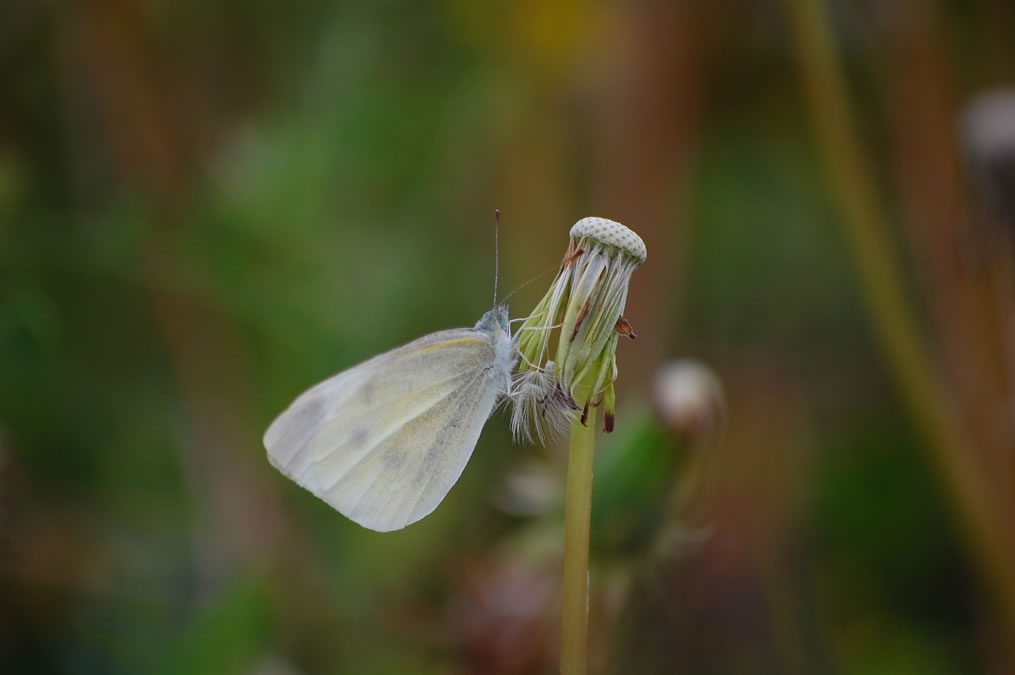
(575, 597)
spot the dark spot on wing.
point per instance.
(357, 437)
(393, 460)
(368, 391)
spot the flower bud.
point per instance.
(689, 399)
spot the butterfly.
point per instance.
(384, 441)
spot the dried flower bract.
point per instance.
(563, 372)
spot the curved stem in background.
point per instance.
(575, 591)
(896, 329)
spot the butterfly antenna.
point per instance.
(554, 268)
(496, 253)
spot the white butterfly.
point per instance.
(383, 442)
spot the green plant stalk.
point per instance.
(894, 324)
(578, 509)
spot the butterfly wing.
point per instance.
(384, 441)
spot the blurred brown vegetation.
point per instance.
(205, 208)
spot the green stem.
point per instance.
(575, 596)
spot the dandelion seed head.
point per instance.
(610, 233)
(574, 368)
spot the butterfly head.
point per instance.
(494, 321)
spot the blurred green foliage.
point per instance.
(206, 208)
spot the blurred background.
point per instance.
(207, 207)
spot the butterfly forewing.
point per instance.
(383, 442)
